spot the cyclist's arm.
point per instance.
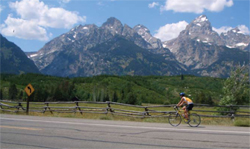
(181, 102)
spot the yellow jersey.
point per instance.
(187, 100)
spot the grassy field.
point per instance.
(245, 122)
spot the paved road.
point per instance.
(56, 133)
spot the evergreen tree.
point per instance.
(102, 95)
(65, 90)
(39, 95)
(209, 100)
(115, 97)
(106, 98)
(1, 94)
(98, 97)
(12, 92)
(94, 94)
(58, 94)
(128, 88)
(131, 99)
(20, 95)
(122, 96)
(201, 98)
(182, 77)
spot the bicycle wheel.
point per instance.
(195, 120)
(174, 119)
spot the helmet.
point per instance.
(182, 94)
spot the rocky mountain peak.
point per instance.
(145, 34)
(141, 29)
(127, 31)
(81, 28)
(76, 28)
(114, 25)
(200, 23)
(200, 29)
(235, 30)
(235, 38)
(112, 21)
(202, 18)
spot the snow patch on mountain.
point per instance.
(241, 44)
(201, 18)
(32, 55)
(85, 27)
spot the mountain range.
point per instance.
(118, 49)
(14, 60)
(207, 53)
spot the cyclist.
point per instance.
(188, 104)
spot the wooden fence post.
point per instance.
(77, 106)
(19, 106)
(47, 106)
(146, 110)
(110, 107)
(232, 112)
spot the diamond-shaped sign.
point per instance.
(29, 89)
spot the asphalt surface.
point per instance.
(21, 132)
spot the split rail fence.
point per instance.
(120, 109)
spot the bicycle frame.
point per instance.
(181, 112)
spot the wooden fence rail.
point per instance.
(143, 111)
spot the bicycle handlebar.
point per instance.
(176, 107)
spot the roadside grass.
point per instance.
(243, 122)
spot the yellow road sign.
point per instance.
(29, 89)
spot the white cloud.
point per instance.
(60, 18)
(196, 6)
(26, 29)
(222, 29)
(170, 31)
(48, 17)
(154, 4)
(35, 11)
(244, 29)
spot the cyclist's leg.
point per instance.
(188, 109)
(185, 112)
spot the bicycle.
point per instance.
(176, 117)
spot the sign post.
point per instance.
(29, 90)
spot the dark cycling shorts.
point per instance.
(190, 107)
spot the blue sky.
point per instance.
(30, 24)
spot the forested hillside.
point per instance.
(13, 60)
(125, 89)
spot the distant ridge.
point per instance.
(14, 60)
